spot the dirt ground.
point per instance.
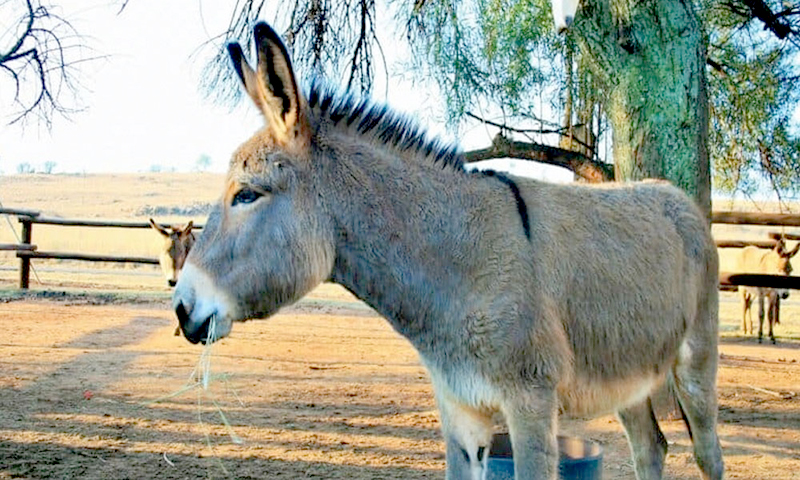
(98, 388)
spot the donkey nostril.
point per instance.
(194, 335)
(183, 316)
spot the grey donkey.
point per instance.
(521, 297)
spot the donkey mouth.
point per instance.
(196, 332)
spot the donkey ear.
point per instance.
(272, 85)
(780, 245)
(159, 228)
(792, 252)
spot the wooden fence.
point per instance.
(27, 250)
(730, 280)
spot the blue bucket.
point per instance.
(578, 459)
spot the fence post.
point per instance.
(25, 262)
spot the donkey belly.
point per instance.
(591, 398)
(464, 385)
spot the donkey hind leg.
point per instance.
(747, 311)
(647, 442)
(773, 314)
(468, 437)
(761, 312)
(694, 375)
(532, 425)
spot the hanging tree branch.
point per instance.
(760, 10)
(40, 62)
(329, 38)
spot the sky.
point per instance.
(143, 106)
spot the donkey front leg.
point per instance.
(468, 437)
(532, 425)
(647, 442)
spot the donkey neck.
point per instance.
(408, 232)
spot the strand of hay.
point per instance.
(200, 379)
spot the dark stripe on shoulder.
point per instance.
(522, 208)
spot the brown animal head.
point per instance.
(783, 257)
(177, 243)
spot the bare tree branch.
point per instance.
(507, 128)
(760, 10)
(584, 167)
(40, 62)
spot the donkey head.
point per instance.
(267, 242)
(783, 257)
(177, 243)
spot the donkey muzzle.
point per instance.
(194, 332)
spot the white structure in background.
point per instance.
(563, 13)
(524, 168)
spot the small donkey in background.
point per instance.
(177, 243)
(521, 297)
(772, 262)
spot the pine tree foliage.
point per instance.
(753, 80)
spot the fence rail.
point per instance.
(86, 223)
(88, 257)
(16, 246)
(729, 279)
(756, 218)
(26, 250)
(746, 243)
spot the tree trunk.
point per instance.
(650, 56)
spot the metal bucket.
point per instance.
(578, 459)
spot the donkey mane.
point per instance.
(381, 122)
(398, 131)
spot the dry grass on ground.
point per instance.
(90, 388)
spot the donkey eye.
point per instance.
(245, 196)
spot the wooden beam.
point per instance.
(17, 246)
(97, 223)
(25, 262)
(86, 257)
(787, 236)
(759, 280)
(19, 211)
(756, 218)
(745, 243)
